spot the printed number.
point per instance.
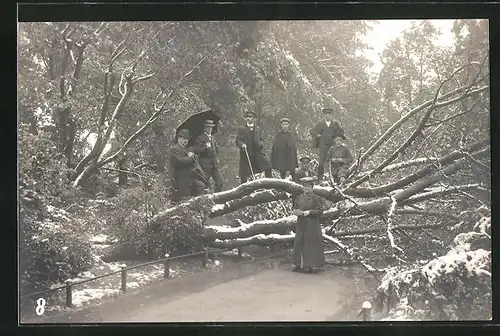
(40, 306)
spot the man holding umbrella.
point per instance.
(252, 157)
(181, 166)
(323, 135)
(206, 149)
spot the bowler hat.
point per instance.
(285, 120)
(305, 158)
(308, 179)
(250, 114)
(209, 122)
(183, 133)
(328, 110)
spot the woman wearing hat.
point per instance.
(284, 150)
(308, 252)
(323, 135)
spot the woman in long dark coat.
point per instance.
(284, 151)
(308, 251)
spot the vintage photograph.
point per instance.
(254, 171)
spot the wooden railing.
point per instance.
(166, 262)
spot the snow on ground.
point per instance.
(93, 291)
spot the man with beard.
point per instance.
(181, 166)
(206, 149)
(284, 151)
(249, 138)
(323, 135)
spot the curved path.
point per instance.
(257, 292)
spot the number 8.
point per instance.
(40, 306)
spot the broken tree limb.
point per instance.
(442, 191)
(252, 199)
(427, 170)
(412, 112)
(439, 175)
(262, 240)
(347, 250)
(249, 187)
(278, 226)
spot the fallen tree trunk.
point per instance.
(262, 240)
(252, 199)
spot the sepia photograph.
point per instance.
(254, 171)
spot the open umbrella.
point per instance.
(194, 124)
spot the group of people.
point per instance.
(327, 135)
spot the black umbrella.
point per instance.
(194, 124)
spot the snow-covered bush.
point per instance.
(51, 248)
(176, 230)
(456, 286)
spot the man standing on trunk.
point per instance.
(206, 149)
(249, 140)
(323, 135)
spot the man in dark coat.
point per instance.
(206, 149)
(304, 169)
(181, 164)
(338, 159)
(250, 138)
(284, 151)
(323, 135)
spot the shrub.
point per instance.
(49, 252)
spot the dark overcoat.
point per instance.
(324, 135)
(180, 170)
(308, 250)
(255, 147)
(207, 156)
(284, 151)
(337, 167)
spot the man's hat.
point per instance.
(305, 158)
(285, 120)
(308, 179)
(327, 110)
(209, 122)
(250, 114)
(183, 133)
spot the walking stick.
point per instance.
(249, 163)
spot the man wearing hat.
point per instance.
(181, 164)
(323, 135)
(284, 150)
(249, 138)
(206, 149)
(304, 169)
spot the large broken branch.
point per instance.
(427, 170)
(435, 106)
(410, 114)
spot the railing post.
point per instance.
(166, 272)
(366, 311)
(69, 296)
(204, 260)
(240, 252)
(124, 277)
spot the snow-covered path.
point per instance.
(250, 292)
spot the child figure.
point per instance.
(339, 158)
(304, 169)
